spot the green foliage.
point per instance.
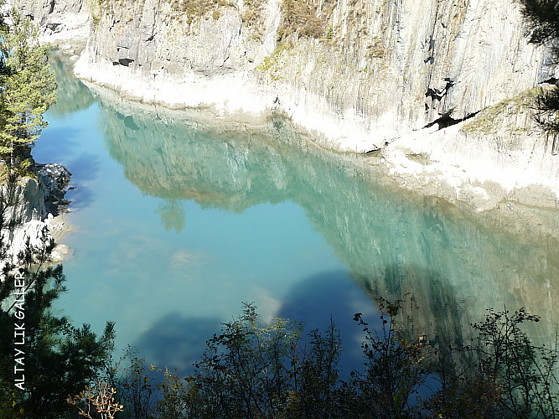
(253, 370)
(318, 390)
(248, 370)
(271, 62)
(57, 358)
(28, 88)
(507, 375)
(542, 18)
(547, 107)
(523, 372)
(136, 388)
(394, 369)
(173, 402)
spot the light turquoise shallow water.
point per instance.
(169, 270)
(178, 224)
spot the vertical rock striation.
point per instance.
(381, 68)
(358, 75)
(61, 20)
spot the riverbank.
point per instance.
(473, 169)
(531, 215)
(59, 226)
(239, 98)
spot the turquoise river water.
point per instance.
(178, 223)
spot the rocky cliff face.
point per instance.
(383, 68)
(46, 12)
(358, 75)
(60, 20)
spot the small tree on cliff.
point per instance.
(27, 89)
(542, 18)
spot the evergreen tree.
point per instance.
(28, 88)
(542, 18)
(43, 357)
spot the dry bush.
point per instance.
(195, 9)
(301, 17)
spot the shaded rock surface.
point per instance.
(54, 179)
(32, 207)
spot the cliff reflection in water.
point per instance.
(71, 93)
(453, 262)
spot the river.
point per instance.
(179, 221)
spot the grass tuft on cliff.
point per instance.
(195, 9)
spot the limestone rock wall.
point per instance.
(384, 68)
(60, 19)
(357, 75)
(43, 10)
(29, 209)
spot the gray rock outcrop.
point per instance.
(48, 13)
(54, 180)
(28, 208)
(60, 19)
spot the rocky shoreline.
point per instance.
(54, 180)
(460, 167)
(39, 213)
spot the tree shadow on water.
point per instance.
(430, 303)
(84, 169)
(177, 342)
(332, 295)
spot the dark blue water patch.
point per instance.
(56, 144)
(176, 342)
(328, 297)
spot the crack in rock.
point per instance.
(446, 120)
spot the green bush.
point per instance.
(251, 370)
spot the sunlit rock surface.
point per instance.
(29, 208)
(357, 76)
